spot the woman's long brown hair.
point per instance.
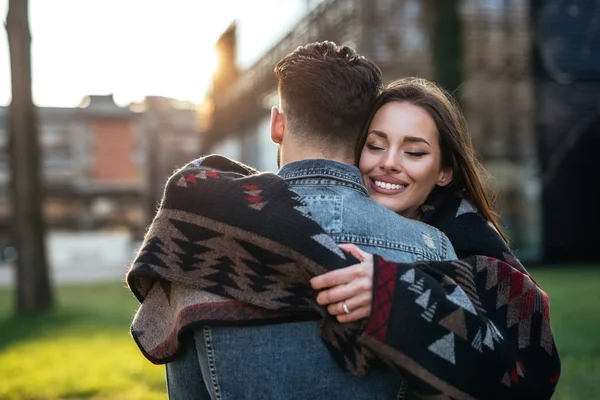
(457, 149)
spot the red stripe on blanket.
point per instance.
(382, 304)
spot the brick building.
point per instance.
(96, 162)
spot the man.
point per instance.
(326, 92)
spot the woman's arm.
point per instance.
(475, 328)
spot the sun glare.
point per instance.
(168, 52)
(212, 62)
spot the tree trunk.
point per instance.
(33, 284)
(443, 20)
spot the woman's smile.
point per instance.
(387, 185)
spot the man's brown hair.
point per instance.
(327, 92)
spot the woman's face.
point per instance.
(401, 162)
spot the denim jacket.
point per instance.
(339, 202)
(289, 361)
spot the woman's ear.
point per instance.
(445, 178)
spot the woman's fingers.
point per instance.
(355, 315)
(350, 286)
(354, 303)
(355, 251)
(341, 276)
(345, 291)
(345, 275)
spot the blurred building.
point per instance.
(96, 159)
(170, 140)
(497, 94)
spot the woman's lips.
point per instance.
(386, 187)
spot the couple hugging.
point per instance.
(371, 266)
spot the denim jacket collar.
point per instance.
(320, 168)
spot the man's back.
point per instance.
(290, 361)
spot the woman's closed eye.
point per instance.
(416, 153)
(373, 147)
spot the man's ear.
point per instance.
(445, 178)
(277, 125)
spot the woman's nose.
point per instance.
(390, 165)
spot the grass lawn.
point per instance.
(80, 351)
(83, 349)
(575, 312)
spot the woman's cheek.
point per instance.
(367, 162)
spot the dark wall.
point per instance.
(567, 70)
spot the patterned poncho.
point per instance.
(476, 328)
(229, 246)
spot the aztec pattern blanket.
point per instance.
(229, 246)
(476, 328)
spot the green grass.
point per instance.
(80, 351)
(575, 314)
(83, 350)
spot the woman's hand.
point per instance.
(347, 292)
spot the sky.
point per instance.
(134, 48)
(130, 48)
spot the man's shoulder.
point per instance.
(364, 218)
(369, 209)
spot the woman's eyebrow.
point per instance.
(416, 139)
(378, 133)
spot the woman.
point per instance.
(416, 158)
(417, 144)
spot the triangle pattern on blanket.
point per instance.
(465, 207)
(408, 276)
(491, 336)
(224, 276)
(418, 286)
(460, 298)
(166, 288)
(444, 348)
(193, 232)
(430, 312)
(423, 300)
(327, 242)
(304, 211)
(253, 193)
(260, 276)
(151, 252)
(258, 206)
(301, 295)
(519, 293)
(455, 322)
(477, 342)
(188, 254)
(506, 380)
(263, 254)
(182, 182)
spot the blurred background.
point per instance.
(125, 91)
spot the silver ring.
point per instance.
(345, 307)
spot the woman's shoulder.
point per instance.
(468, 231)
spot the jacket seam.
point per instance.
(335, 185)
(212, 367)
(349, 182)
(385, 244)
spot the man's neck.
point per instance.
(310, 154)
